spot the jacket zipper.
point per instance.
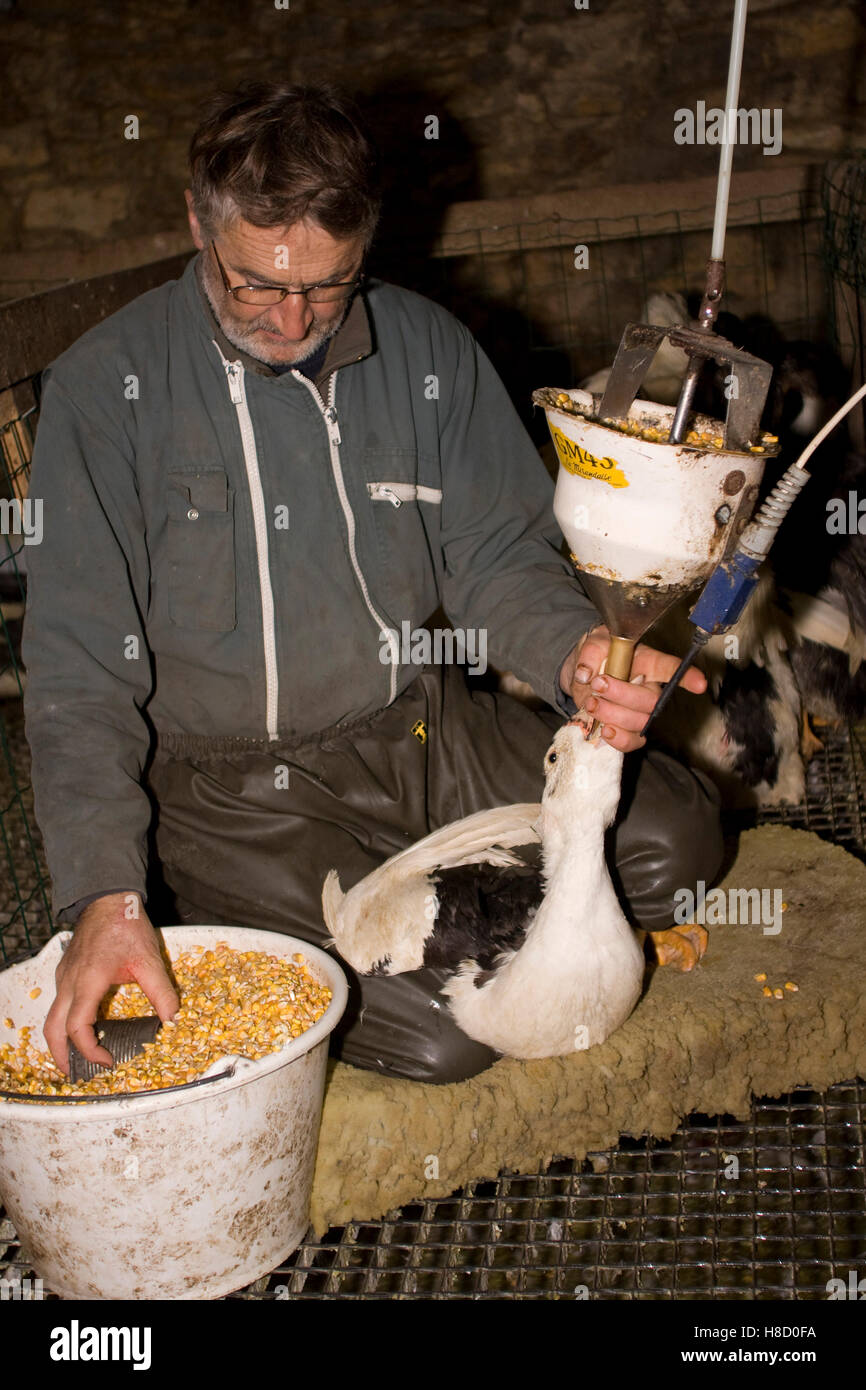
(398, 493)
(237, 389)
(329, 415)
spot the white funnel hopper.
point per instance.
(645, 522)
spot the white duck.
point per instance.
(664, 378)
(544, 961)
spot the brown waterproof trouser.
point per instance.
(247, 839)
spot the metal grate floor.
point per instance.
(835, 805)
(768, 1208)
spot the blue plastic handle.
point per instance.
(726, 594)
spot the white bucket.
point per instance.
(182, 1194)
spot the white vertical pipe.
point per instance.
(726, 160)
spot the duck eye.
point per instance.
(551, 758)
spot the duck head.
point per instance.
(582, 777)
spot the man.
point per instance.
(252, 478)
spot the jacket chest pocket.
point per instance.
(405, 520)
(201, 551)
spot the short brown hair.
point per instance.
(275, 153)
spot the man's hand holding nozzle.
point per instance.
(622, 707)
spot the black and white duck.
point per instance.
(544, 961)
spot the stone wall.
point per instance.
(531, 96)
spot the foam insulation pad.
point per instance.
(704, 1041)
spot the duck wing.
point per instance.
(480, 838)
(483, 911)
(383, 922)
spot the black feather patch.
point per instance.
(483, 910)
(824, 678)
(744, 699)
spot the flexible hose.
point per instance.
(760, 534)
(755, 542)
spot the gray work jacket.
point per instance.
(224, 546)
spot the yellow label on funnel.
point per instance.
(578, 460)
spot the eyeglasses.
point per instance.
(275, 294)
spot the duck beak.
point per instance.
(591, 727)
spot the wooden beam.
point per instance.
(35, 330)
(33, 272)
(609, 213)
(492, 226)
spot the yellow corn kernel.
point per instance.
(789, 984)
(778, 994)
(35, 993)
(762, 977)
(767, 992)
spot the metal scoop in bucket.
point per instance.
(124, 1038)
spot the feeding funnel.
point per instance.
(645, 521)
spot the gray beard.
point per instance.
(248, 341)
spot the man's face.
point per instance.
(285, 333)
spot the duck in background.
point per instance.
(664, 378)
(818, 561)
(821, 577)
(799, 647)
(744, 731)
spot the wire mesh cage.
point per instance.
(844, 248)
(548, 298)
(25, 915)
(765, 1208)
(649, 1219)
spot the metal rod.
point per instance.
(684, 404)
(700, 640)
(726, 159)
(716, 266)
